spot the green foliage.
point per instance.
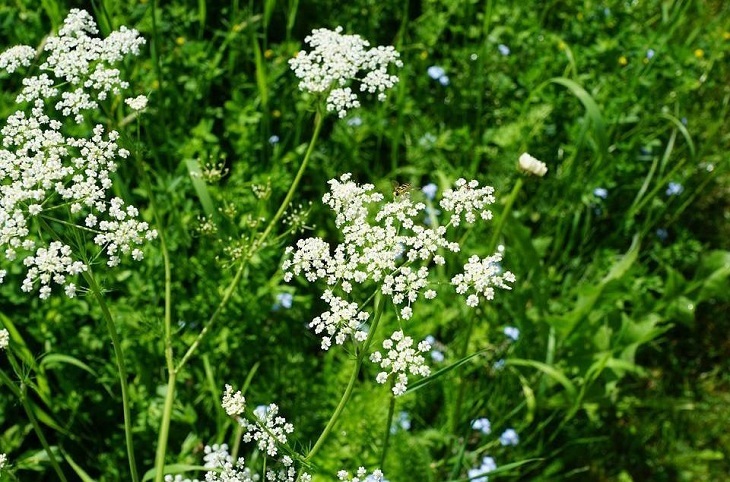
(620, 371)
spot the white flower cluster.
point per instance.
(467, 200)
(233, 403)
(287, 473)
(389, 248)
(267, 430)
(3, 460)
(216, 456)
(338, 60)
(342, 320)
(400, 359)
(361, 476)
(46, 174)
(481, 276)
(4, 339)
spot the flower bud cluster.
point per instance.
(336, 61)
(400, 359)
(267, 430)
(47, 174)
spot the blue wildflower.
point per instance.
(274, 139)
(436, 72)
(509, 437)
(512, 332)
(662, 234)
(261, 411)
(683, 120)
(430, 191)
(402, 421)
(444, 80)
(503, 49)
(482, 424)
(437, 356)
(674, 189)
(650, 54)
(499, 365)
(478, 474)
(600, 192)
(284, 300)
(354, 122)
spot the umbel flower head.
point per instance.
(337, 61)
(386, 246)
(49, 177)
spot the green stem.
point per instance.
(388, 425)
(121, 368)
(20, 394)
(490, 249)
(318, 122)
(379, 308)
(259, 242)
(171, 372)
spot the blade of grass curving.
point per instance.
(431, 378)
(261, 82)
(682, 130)
(54, 359)
(291, 17)
(548, 370)
(592, 111)
(201, 189)
(20, 348)
(83, 476)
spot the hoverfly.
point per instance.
(400, 189)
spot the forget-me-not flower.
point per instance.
(509, 437)
(482, 424)
(600, 192)
(430, 191)
(503, 49)
(488, 465)
(512, 332)
(674, 189)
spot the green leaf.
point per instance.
(201, 189)
(431, 378)
(77, 468)
(53, 359)
(548, 370)
(592, 111)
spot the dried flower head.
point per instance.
(532, 166)
(336, 61)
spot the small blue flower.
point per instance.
(430, 190)
(437, 356)
(499, 365)
(431, 340)
(503, 49)
(261, 411)
(509, 437)
(354, 121)
(674, 189)
(482, 424)
(650, 54)
(512, 332)
(662, 234)
(683, 120)
(600, 192)
(402, 421)
(478, 474)
(284, 300)
(427, 141)
(436, 72)
(444, 80)
(274, 139)
(431, 212)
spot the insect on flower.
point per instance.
(400, 189)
